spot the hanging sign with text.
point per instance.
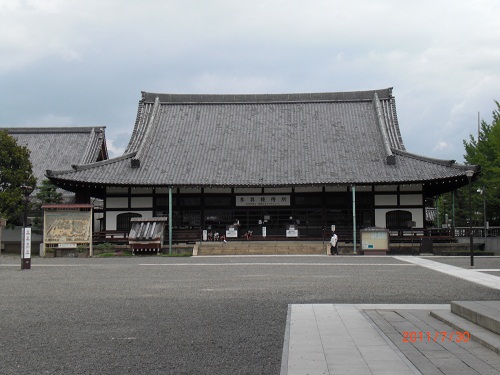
(26, 243)
(262, 200)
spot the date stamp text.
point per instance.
(453, 336)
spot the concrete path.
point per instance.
(384, 339)
(473, 275)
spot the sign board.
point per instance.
(205, 235)
(264, 232)
(292, 231)
(262, 200)
(26, 243)
(231, 231)
(375, 239)
(67, 245)
(68, 225)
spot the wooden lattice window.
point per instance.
(123, 221)
(397, 219)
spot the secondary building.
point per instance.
(55, 148)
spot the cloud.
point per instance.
(50, 120)
(113, 149)
(85, 62)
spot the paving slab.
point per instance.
(491, 281)
(379, 339)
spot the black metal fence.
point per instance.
(477, 232)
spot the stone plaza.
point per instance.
(228, 315)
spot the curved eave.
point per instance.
(438, 175)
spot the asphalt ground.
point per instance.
(198, 315)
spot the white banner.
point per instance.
(26, 243)
(231, 232)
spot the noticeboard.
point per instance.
(375, 239)
(67, 226)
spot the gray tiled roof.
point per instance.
(60, 147)
(265, 140)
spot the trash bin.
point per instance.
(426, 245)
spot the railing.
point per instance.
(112, 236)
(477, 232)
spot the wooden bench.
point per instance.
(184, 235)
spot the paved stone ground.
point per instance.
(200, 315)
(480, 262)
(377, 339)
(429, 344)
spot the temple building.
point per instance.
(61, 147)
(54, 148)
(266, 162)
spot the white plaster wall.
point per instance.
(277, 190)
(363, 188)
(386, 188)
(386, 200)
(335, 189)
(111, 217)
(247, 190)
(135, 191)
(136, 202)
(116, 202)
(309, 189)
(410, 199)
(217, 190)
(188, 190)
(117, 190)
(411, 187)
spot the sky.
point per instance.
(85, 62)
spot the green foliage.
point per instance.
(15, 171)
(485, 151)
(115, 254)
(46, 194)
(106, 246)
(173, 255)
(82, 248)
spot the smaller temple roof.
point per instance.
(61, 147)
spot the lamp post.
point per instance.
(469, 173)
(26, 232)
(482, 191)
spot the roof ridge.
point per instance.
(344, 96)
(389, 157)
(81, 167)
(56, 129)
(144, 140)
(88, 147)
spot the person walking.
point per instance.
(333, 244)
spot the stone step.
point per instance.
(260, 248)
(483, 313)
(469, 315)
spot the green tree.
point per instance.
(46, 194)
(485, 151)
(15, 171)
